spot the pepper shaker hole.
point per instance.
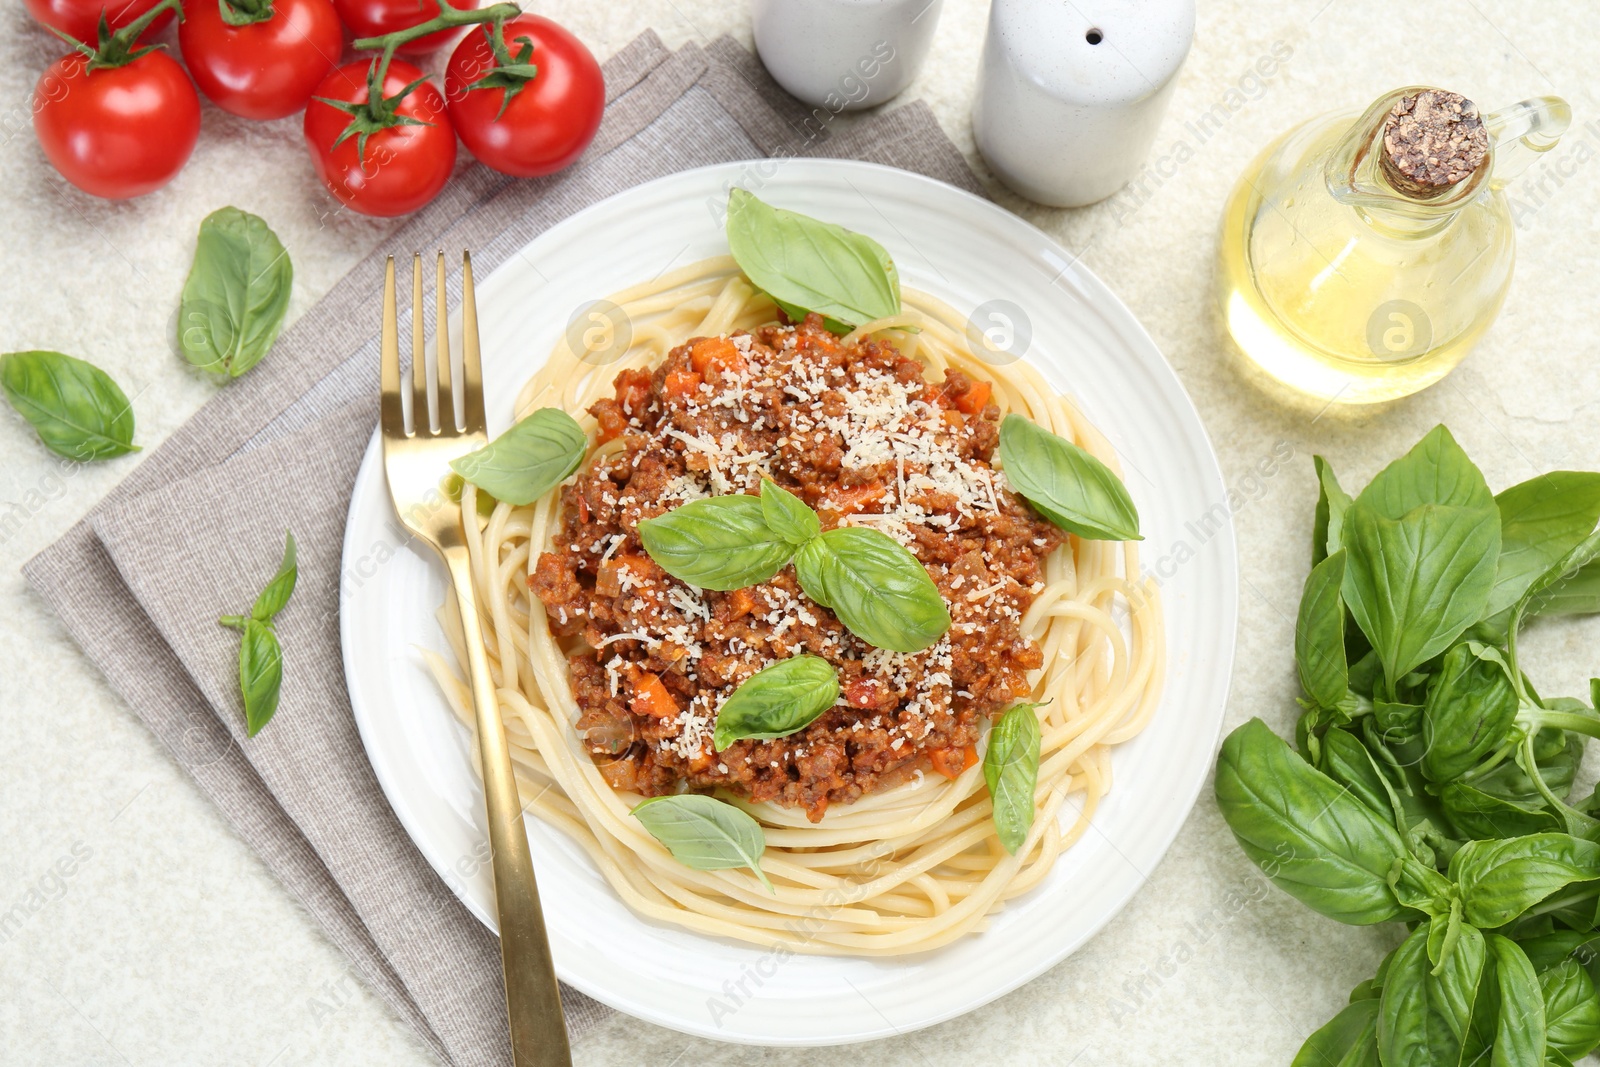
(1094, 37)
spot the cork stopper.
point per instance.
(1432, 140)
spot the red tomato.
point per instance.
(374, 18)
(402, 167)
(119, 131)
(80, 19)
(550, 119)
(266, 69)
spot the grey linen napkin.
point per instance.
(269, 454)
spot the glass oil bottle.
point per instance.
(1363, 256)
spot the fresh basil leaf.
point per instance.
(1349, 1039)
(1548, 950)
(1435, 471)
(811, 265)
(260, 674)
(1499, 880)
(1422, 1017)
(1566, 588)
(1571, 1009)
(1319, 635)
(236, 294)
(1346, 760)
(1011, 769)
(528, 460)
(1577, 594)
(1066, 484)
(1476, 814)
(1414, 583)
(1332, 503)
(74, 406)
(705, 834)
(777, 700)
(878, 589)
(1541, 520)
(1510, 990)
(1469, 711)
(798, 315)
(276, 595)
(787, 515)
(1314, 839)
(720, 543)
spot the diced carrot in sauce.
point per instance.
(650, 697)
(741, 602)
(718, 352)
(609, 581)
(853, 499)
(612, 421)
(950, 762)
(682, 383)
(972, 401)
(583, 509)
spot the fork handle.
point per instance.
(533, 1000)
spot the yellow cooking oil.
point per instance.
(1351, 280)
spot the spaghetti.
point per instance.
(904, 869)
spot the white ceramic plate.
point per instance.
(968, 252)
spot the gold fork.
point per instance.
(416, 460)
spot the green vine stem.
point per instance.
(379, 112)
(122, 47)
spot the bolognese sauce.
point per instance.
(859, 434)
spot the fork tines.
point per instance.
(433, 408)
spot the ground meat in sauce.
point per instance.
(859, 435)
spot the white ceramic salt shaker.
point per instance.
(1070, 94)
(844, 55)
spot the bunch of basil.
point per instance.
(1430, 782)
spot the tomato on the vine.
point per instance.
(261, 59)
(385, 153)
(80, 19)
(526, 100)
(119, 120)
(375, 18)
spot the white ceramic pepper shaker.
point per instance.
(844, 55)
(1070, 93)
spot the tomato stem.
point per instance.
(244, 12)
(448, 19)
(122, 47)
(509, 73)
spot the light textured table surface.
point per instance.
(171, 944)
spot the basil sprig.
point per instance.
(1011, 769)
(74, 406)
(236, 294)
(1433, 784)
(805, 264)
(260, 655)
(777, 700)
(705, 834)
(865, 577)
(528, 460)
(1066, 484)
